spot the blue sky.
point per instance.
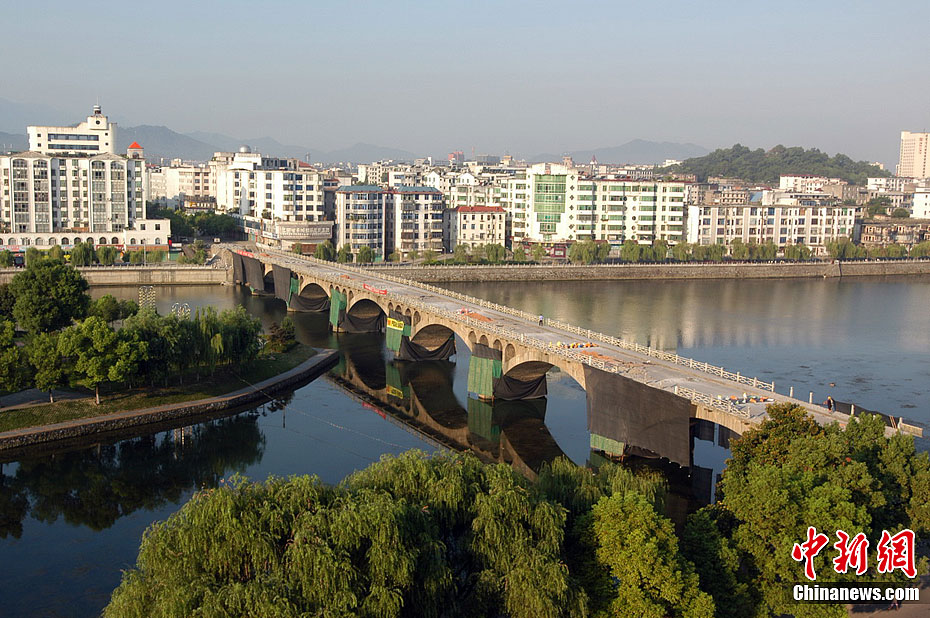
(523, 77)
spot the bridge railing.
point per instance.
(590, 334)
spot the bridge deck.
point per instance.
(705, 385)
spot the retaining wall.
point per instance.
(119, 421)
(437, 274)
(101, 276)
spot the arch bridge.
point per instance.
(636, 395)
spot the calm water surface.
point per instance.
(69, 522)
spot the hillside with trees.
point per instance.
(761, 166)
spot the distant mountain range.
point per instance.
(634, 151)
(162, 142)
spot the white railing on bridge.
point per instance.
(714, 402)
(590, 334)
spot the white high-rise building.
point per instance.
(914, 160)
(97, 135)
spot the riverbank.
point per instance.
(161, 274)
(175, 403)
(620, 272)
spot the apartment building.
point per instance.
(914, 159)
(906, 232)
(360, 218)
(60, 199)
(171, 186)
(806, 183)
(477, 225)
(414, 219)
(921, 202)
(555, 203)
(804, 222)
(96, 135)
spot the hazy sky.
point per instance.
(523, 77)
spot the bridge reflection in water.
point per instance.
(421, 395)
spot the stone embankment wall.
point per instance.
(120, 421)
(99, 276)
(437, 274)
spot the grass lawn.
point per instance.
(114, 399)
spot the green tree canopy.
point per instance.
(519, 254)
(47, 363)
(344, 254)
(90, 350)
(365, 255)
(49, 296)
(767, 166)
(791, 473)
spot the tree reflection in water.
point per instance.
(96, 486)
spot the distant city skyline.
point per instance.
(523, 78)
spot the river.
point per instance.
(70, 521)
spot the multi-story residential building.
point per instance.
(360, 218)
(557, 204)
(805, 183)
(60, 199)
(414, 219)
(906, 232)
(921, 202)
(809, 222)
(891, 183)
(477, 225)
(914, 159)
(170, 186)
(97, 135)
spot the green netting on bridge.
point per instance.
(294, 289)
(337, 307)
(481, 420)
(396, 328)
(484, 369)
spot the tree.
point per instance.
(298, 248)
(281, 337)
(90, 350)
(49, 296)
(790, 473)
(7, 300)
(365, 255)
(519, 254)
(429, 256)
(539, 252)
(798, 253)
(641, 551)
(106, 255)
(33, 255)
(82, 254)
(843, 249)
(877, 206)
(583, 252)
(14, 365)
(603, 251)
(901, 213)
(630, 251)
(495, 253)
(460, 254)
(55, 252)
(6, 258)
(409, 535)
(681, 252)
(413, 255)
(921, 250)
(659, 251)
(158, 255)
(395, 256)
(344, 254)
(47, 363)
(739, 250)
